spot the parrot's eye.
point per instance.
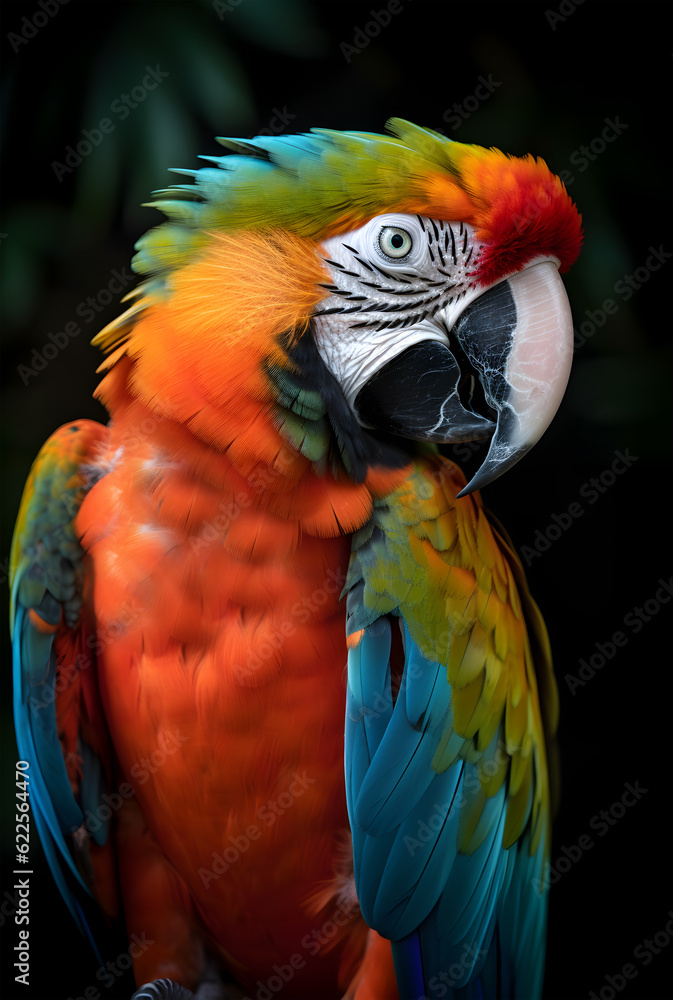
(395, 242)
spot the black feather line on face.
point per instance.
(358, 448)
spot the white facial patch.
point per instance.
(389, 279)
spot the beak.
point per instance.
(516, 340)
(519, 338)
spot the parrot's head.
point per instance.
(408, 286)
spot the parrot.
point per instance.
(287, 705)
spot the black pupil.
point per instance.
(397, 241)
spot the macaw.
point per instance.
(286, 701)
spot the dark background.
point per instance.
(560, 76)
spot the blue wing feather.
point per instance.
(401, 770)
(409, 967)
(53, 806)
(420, 860)
(37, 739)
(472, 914)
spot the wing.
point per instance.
(446, 763)
(60, 729)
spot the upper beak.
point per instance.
(519, 337)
